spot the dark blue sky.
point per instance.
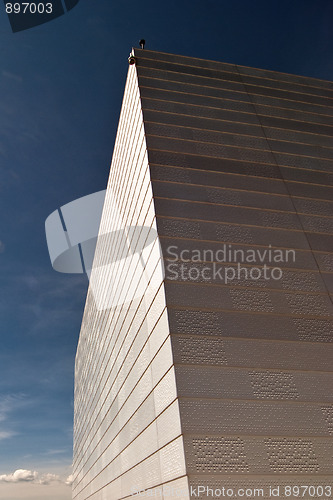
(61, 89)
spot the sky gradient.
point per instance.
(61, 90)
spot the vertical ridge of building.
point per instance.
(127, 427)
(190, 380)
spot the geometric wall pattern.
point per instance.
(198, 383)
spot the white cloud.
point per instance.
(56, 452)
(8, 404)
(28, 476)
(69, 480)
(18, 476)
(6, 434)
(49, 478)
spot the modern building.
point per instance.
(195, 370)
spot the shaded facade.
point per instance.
(191, 379)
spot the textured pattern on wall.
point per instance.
(244, 157)
(209, 382)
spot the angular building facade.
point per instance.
(204, 363)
